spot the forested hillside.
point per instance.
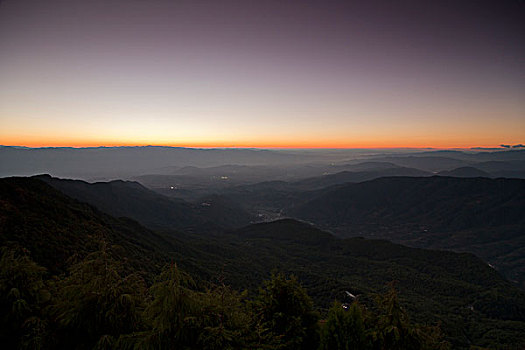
(479, 215)
(73, 241)
(439, 203)
(131, 199)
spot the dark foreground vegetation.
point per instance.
(98, 305)
(73, 277)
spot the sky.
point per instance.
(262, 73)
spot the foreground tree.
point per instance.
(97, 302)
(225, 320)
(345, 329)
(385, 327)
(286, 311)
(392, 329)
(172, 314)
(22, 297)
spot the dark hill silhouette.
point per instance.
(495, 166)
(278, 196)
(471, 156)
(369, 166)
(55, 227)
(509, 169)
(465, 171)
(427, 163)
(131, 199)
(437, 202)
(479, 215)
(355, 176)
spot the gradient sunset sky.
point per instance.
(262, 73)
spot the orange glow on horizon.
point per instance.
(247, 144)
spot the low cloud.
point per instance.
(519, 145)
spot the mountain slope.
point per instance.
(479, 215)
(272, 198)
(426, 163)
(465, 171)
(131, 199)
(54, 227)
(355, 176)
(437, 202)
(434, 285)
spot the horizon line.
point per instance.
(480, 148)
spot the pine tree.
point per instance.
(287, 312)
(394, 331)
(97, 302)
(345, 329)
(22, 297)
(172, 314)
(224, 320)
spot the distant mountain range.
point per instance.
(356, 176)
(123, 162)
(427, 163)
(244, 165)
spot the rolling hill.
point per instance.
(131, 199)
(479, 215)
(466, 171)
(315, 183)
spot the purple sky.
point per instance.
(262, 73)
